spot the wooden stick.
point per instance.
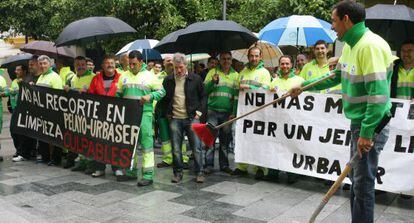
(334, 187)
(273, 102)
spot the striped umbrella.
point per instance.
(299, 30)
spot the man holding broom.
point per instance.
(363, 72)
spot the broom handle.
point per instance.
(273, 102)
(334, 187)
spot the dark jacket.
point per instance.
(195, 97)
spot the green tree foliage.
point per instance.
(45, 19)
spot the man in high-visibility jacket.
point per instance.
(79, 82)
(222, 87)
(124, 64)
(319, 66)
(285, 80)
(140, 84)
(363, 71)
(405, 79)
(64, 71)
(253, 76)
(22, 143)
(50, 154)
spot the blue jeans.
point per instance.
(216, 118)
(177, 129)
(363, 176)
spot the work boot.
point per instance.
(69, 164)
(272, 175)
(239, 172)
(259, 174)
(79, 168)
(177, 178)
(163, 164)
(144, 182)
(227, 170)
(200, 179)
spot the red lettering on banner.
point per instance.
(107, 157)
(84, 145)
(114, 156)
(98, 152)
(125, 158)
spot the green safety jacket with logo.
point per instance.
(405, 83)
(82, 83)
(223, 96)
(364, 69)
(256, 77)
(135, 86)
(283, 84)
(50, 79)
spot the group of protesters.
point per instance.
(173, 98)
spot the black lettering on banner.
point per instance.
(411, 112)
(331, 104)
(394, 107)
(281, 103)
(294, 102)
(247, 124)
(249, 98)
(399, 148)
(96, 126)
(309, 103)
(260, 99)
(336, 136)
(380, 173)
(301, 132)
(259, 127)
(295, 162)
(322, 165)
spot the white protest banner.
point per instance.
(310, 135)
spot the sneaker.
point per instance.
(162, 164)
(144, 182)
(51, 163)
(227, 170)
(177, 178)
(239, 172)
(200, 179)
(259, 174)
(98, 173)
(18, 159)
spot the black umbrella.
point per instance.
(48, 48)
(212, 36)
(92, 29)
(168, 43)
(19, 59)
(394, 23)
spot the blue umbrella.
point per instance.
(144, 46)
(297, 30)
